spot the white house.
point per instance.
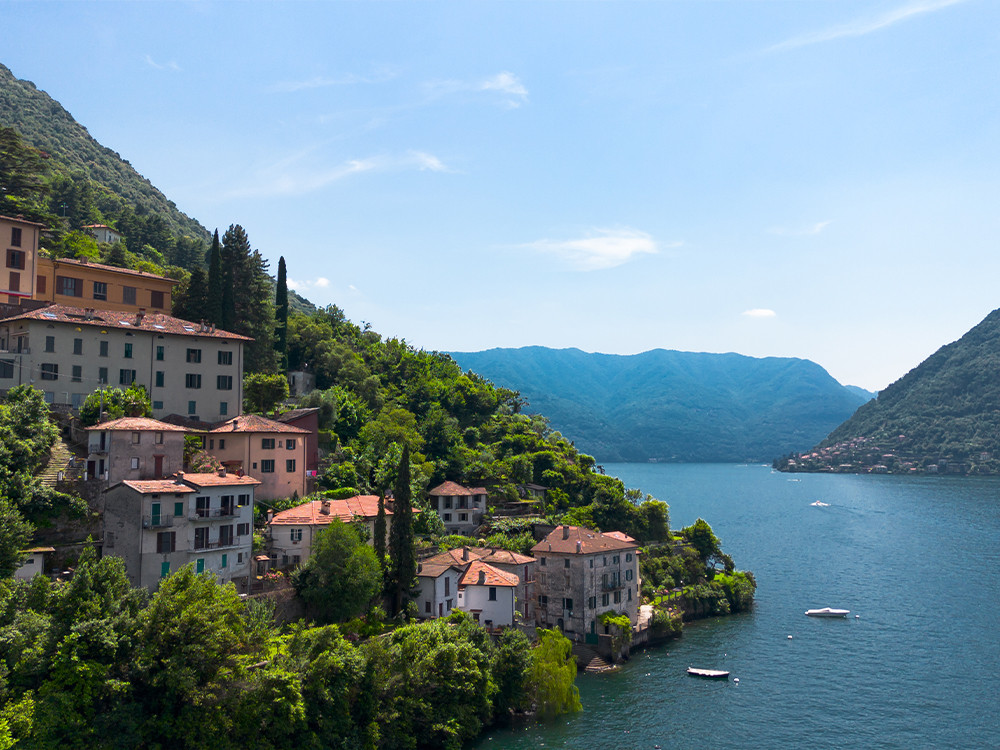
(487, 593)
(460, 508)
(34, 562)
(438, 594)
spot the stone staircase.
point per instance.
(59, 458)
(589, 660)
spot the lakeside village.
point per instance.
(863, 455)
(120, 617)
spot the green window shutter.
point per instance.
(225, 560)
(200, 565)
(179, 508)
(164, 569)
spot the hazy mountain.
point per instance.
(673, 406)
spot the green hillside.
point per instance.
(673, 406)
(942, 416)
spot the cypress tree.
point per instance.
(281, 316)
(402, 556)
(378, 536)
(212, 312)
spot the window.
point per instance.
(267, 443)
(6, 368)
(159, 354)
(179, 508)
(290, 465)
(592, 602)
(211, 444)
(158, 381)
(568, 604)
(296, 535)
(164, 569)
(128, 295)
(192, 380)
(156, 300)
(136, 438)
(128, 350)
(194, 356)
(15, 236)
(50, 343)
(225, 535)
(628, 557)
(628, 575)
(242, 529)
(630, 594)
(15, 259)
(542, 561)
(40, 284)
(225, 557)
(77, 399)
(102, 349)
(225, 358)
(618, 597)
(427, 607)
(199, 566)
(614, 560)
(126, 377)
(133, 462)
(100, 290)
(77, 375)
(447, 516)
(157, 405)
(15, 281)
(604, 600)
(158, 438)
(201, 506)
(290, 444)
(242, 500)
(192, 407)
(50, 371)
(493, 593)
(461, 516)
(591, 562)
(566, 563)
(224, 382)
(201, 538)
(77, 346)
(166, 541)
(69, 286)
(102, 375)
(267, 466)
(223, 411)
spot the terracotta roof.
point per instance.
(311, 513)
(112, 269)
(620, 535)
(590, 542)
(492, 576)
(433, 570)
(506, 557)
(451, 489)
(137, 424)
(214, 480)
(99, 226)
(38, 549)
(478, 491)
(255, 423)
(457, 556)
(291, 416)
(19, 220)
(157, 486)
(157, 323)
(191, 424)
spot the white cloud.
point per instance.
(760, 312)
(322, 282)
(506, 84)
(603, 248)
(319, 82)
(172, 65)
(816, 228)
(424, 161)
(868, 25)
(300, 286)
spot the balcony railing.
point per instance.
(205, 514)
(611, 584)
(236, 541)
(157, 522)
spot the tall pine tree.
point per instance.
(247, 303)
(212, 311)
(402, 555)
(281, 316)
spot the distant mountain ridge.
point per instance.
(673, 406)
(943, 416)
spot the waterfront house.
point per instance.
(581, 575)
(159, 525)
(437, 592)
(488, 594)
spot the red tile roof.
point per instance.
(256, 423)
(433, 570)
(112, 269)
(506, 557)
(590, 542)
(620, 535)
(137, 424)
(157, 486)
(214, 480)
(458, 556)
(292, 415)
(491, 576)
(451, 489)
(311, 513)
(21, 220)
(157, 323)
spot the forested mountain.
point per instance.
(673, 406)
(942, 416)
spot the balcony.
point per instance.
(157, 522)
(612, 584)
(236, 541)
(207, 514)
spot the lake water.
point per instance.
(917, 558)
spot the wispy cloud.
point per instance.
(300, 286)
(172, 65)
(296, 175)
(816, 228)
(319, 82)
(759, 312)
(866, 25)
(602, 248)
(512, 92)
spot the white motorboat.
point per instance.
(717, 674)
(828, 612)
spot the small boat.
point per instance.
(820, 504)
(716, 674)
(828, 612)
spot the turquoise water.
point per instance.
(916, 558)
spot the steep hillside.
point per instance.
(942, 416)
(673, 406)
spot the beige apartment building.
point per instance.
(68, 352)
(134, 448)
(19, 241)
(82, 283)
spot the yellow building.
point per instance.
(81, 283)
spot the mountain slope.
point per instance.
(673, 406)
(943, 415)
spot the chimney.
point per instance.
(325, 508)
(482, 577)
(566, 532)
(465, 553)
(579, 546)
(139, 316)
(222, 471)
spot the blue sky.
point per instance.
(809, 179)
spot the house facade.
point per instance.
(292, 532)
(134, 448)
(487, 593)
(308, 420)
(522, 567)
(460, 508)
(159, 525)
(19, 243)
(271, 451)
(103, 233)
(581, 575)
(68, 352)
(33, 563)
(82, 283)
(438, 589)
